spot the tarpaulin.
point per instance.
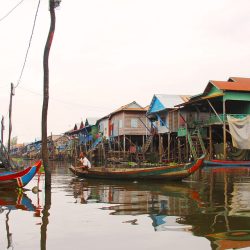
(240, 131)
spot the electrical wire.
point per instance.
(27, 51)
(66, 102)
(6, 15)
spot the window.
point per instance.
(134, 123)
(162, 124)
(120, 123)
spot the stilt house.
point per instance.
(209, 116)
(165, 121)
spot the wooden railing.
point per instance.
(213, 119)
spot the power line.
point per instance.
(6, 15)
(66, 102)
(27, 51)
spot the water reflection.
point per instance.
(164, 203)
(217, 207)
(14, 200)
(45, 218)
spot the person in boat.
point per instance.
(84, 161)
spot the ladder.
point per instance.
(148, 142)
(197, 146)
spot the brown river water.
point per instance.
(210, 210)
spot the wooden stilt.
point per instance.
(224, 131)
(160, 148)
(187, 145)
(169, 147)
(179, 150)
(210, 143)
(124, 145)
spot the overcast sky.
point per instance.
(108, 53)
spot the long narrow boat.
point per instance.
(226, 163)
(12, 179)
(171, 173)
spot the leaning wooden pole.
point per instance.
(46, 94)
(10, 115)
(2, 129)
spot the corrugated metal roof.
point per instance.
(239, 79)
(133, 106)
(241, 85)
(167, 101)
(200, 99)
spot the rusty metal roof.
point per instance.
(240, 84)
(239, 79)
(201, 98)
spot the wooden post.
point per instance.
(2, 128)
(10, 112)
(168, 146)
(124, 145)
(187, 144)
(224, 131)
(46, 94)
(179, 150)
(210, 143)
(160, 148)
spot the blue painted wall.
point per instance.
(156, 106)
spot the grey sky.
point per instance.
(107, 53)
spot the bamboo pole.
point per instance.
(210, 142)
(187, 145)
(179, 150)
(224, 131)
(2, 129)
(10, 113)
(168, 146)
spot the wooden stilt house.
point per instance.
(126, 129)
(165, 121)
(206, 123)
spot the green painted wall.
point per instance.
(239, 96)
(214, 90)
(243, 106)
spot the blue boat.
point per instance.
(18, 179)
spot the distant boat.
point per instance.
(18, 179)
(170, 173)
(226, 163)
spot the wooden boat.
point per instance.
(226, 163)
(12, 179)
(171, 173)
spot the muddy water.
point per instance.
(211, 210)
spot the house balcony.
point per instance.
(214, 119)
(211, 120)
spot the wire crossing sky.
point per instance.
(9, 12)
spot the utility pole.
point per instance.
(52, 5)
(10, 112)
